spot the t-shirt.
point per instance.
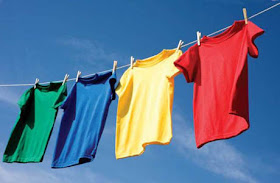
(83, 121)
(219, 70)
(145, 103)
(31, 133)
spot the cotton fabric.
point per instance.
(83, 121)
(31, 133)
(219, 70)
(145, 104)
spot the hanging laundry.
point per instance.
(145, 102)
(219, 70)
(33, 127)
(83, 121)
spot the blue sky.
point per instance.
(47, 39)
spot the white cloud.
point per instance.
(9, 96)
(218, 157)
(9, 175)
(91, 53)
(35, 174)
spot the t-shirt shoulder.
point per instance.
(188, 63)
(112, 82)
(253, 31)
(24, 97)
(171, 70)
(61, 95)
(123, 82)
(106, 76)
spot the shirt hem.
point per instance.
(144, 148)
(7, 159)
(73, 163)
(223, 136)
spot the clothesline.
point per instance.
(261, 12)
(127, 65)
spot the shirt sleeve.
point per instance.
(122, 85)
(188, 63)
(173, 71)
(70, 97)
(253, 31)
(112, 81)
(24, 97)
(62, 94)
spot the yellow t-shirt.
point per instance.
(145, 104)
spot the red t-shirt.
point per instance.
(219, 70)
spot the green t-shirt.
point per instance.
(31, 133)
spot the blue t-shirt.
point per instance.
(83, 121)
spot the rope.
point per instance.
(123, 66)
(259, 13)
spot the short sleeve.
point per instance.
(173, 71)
(123, 82)
(24, 97)
(188, 63)
(62, 94)
(70, 97)
(253, 31)
(112, 81)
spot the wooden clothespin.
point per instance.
(65, 78)
(198, 35)
(78, 75)
(36, 82)
(131, 61)
(245, 15)
(180, 44)
(115, 66)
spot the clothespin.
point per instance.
(78, 75)
(115, 66)
(65, 78)
(198, 35)
(36, 82)
(245, 15)
(180, 44)
(131, 61)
